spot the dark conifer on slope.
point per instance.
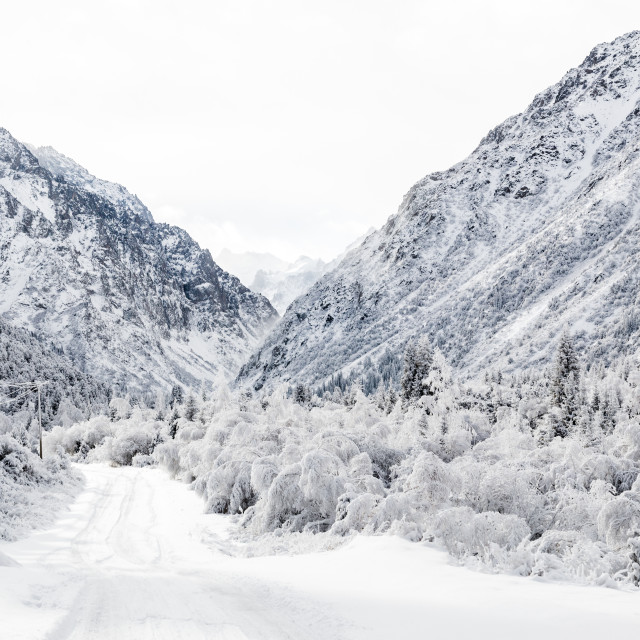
(565, 386)
(418, 358)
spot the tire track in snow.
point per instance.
(130, 564)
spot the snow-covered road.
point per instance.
(135, 558)
(127, 562)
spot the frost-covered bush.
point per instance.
(167, 454)
(101, 440)
(428, 480)
(569, 554)
(464, 532)
(495, 490)
(227, 487)
(31, 490)
(131, 441)
(284, 505)
(78, 439)
(619, 520)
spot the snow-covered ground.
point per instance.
(136, 558)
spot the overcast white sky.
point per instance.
(282, 126)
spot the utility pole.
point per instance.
(36, 385)
(40, 417)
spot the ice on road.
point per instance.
(135, 558)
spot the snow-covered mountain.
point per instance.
(130, 301)
(537, 230)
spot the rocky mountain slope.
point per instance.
(537, 230)
(132, 302)
(24, 358)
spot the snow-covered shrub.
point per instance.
(465, 532)
(81, 437)
(510, 490)
(119, 408)
(619, 520)
(383, 455)
(361, 476)
(570, 555)
(167, 455)
(18, 464)
(355, 512)
(263, 472)
(130, 441)
(625, 441)
(189, 431)
(227, 488)
(397, 513)
(100, 440)
(427, 480)
(31, 490)
(322, 480)
(284, 503)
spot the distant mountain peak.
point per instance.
(280, 281)
(70, 171)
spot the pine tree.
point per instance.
(177, 396)
(609, 413)
(392, 398)
(418, 358)
(173, 423)
(302, 394)
(565, 385)
(595, 401)
(190, 408)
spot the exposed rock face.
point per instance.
(131, 301)
(539, 228)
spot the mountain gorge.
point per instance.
(279, 281)
(536, 231)
(134, 303)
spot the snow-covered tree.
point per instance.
(565, 386)
(190, 410)
(177, 395)
(173, 423)
(418, 358)
(302, 394)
